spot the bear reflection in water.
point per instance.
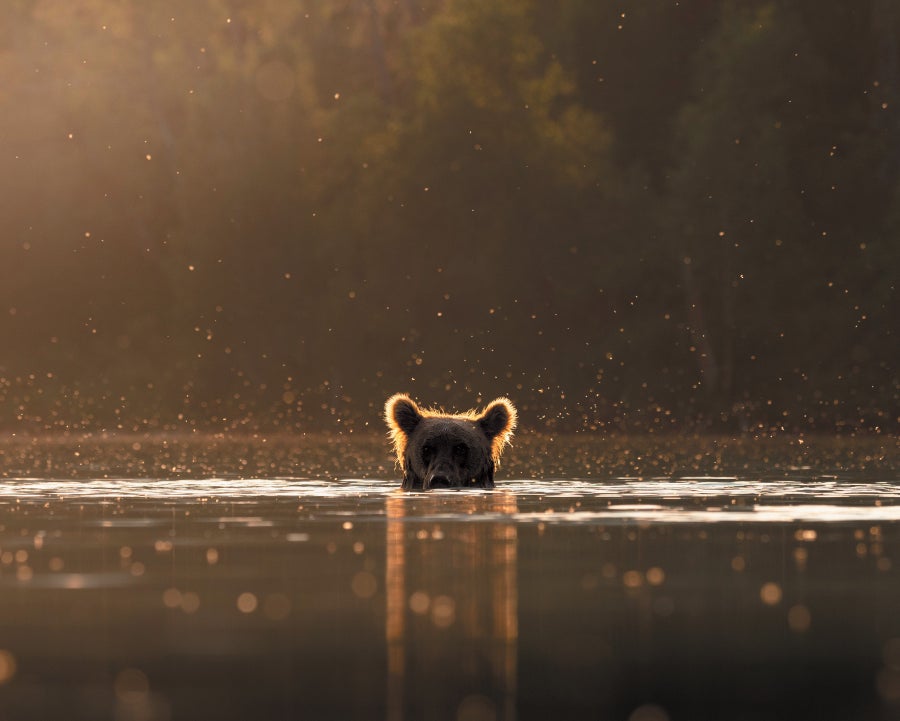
(448, 450)
(452, 607)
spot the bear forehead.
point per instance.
(451, 429)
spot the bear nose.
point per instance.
(439, 481)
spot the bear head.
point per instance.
(448, 450)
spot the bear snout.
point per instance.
(441, 476)
(439, 481)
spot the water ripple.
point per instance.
(666, 491)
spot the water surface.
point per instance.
(754, 583)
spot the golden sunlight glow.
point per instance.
(7, 666)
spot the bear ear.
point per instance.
(497, 422)
(402, 413)
(402, 416)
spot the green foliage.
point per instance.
(263, 214)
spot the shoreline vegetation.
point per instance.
(673, 217)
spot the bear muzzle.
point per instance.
(442, 476)
(439, 481)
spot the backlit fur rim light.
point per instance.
(399, 438)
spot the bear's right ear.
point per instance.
(402, 416)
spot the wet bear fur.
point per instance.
(448, 450)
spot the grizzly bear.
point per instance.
(448, 450)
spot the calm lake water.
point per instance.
(152, 577)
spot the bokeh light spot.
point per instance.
(770, 593)
(364, 584)
(419, 601)
(247, 602)
(443, 611)
(799, 618)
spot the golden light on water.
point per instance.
(443, 611)
(663, 500)
(364, 584)
(24, 573)
(247, 602)
(799, 618)
(7, 666)
(171, 598)
(190, 602)
(419, 601)
(475, 604)
(770, 593)
(75, 581)
(453, 570)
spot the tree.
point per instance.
(733, 201)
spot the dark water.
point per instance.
(152, 578)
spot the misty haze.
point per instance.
(666, 231)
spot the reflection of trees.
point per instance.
(451, 606)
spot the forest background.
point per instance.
(258, 214)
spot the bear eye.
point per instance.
(460, 450)
(427, 453)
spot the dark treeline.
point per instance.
(642, 215)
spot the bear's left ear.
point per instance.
(497, 422)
